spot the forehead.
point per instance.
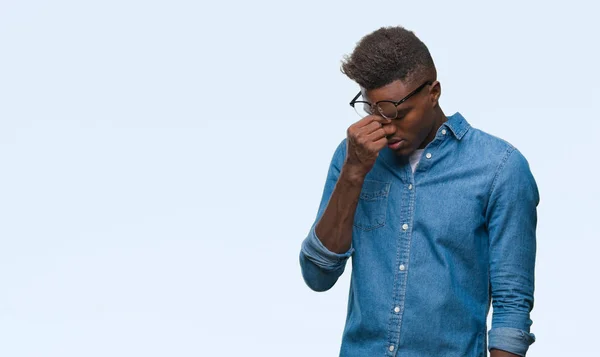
(393, 91)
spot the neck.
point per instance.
(439, 119)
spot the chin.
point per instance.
(404, 151)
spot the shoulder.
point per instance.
(505, 154)
(511, 170)
(487, 142)
(505, 165)
(497, 151)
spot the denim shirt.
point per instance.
(430, 250)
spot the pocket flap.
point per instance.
(373, 190)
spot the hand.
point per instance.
(365, 139)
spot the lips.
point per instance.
(394, 144)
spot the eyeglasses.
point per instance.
(386, 108)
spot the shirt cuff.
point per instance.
(510, 340)
(325, 259)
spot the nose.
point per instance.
(389, 128)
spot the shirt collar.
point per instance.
(458, 125)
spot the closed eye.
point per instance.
(402, 113)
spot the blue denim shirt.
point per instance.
(430, 250)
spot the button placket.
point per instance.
(397, 309)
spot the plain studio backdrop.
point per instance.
(162, 161)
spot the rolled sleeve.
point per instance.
(321, 268)
(510, 340)
(512, 220)
(322, 257)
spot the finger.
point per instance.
(363, 131)
(364, 122)
(376, 135)
(387, 130)
(369, 128)
(382, 120)
(379, 144)
(371, 118)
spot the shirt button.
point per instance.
(428, 155)
(405, 226)
(410, 187)
(397, 309)
(402, 267)
(391, 348)
(444, 132)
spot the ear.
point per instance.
(435, 91)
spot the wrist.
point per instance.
(353, 174)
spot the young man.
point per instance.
(439, 218)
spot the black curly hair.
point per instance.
(387, 55)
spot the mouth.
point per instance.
(394, 144)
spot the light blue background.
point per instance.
(161, 162)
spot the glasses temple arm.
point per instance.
(354, 99)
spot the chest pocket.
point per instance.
(372, 205)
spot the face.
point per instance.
(417, 121)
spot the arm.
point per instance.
(511, 219)
(328, 246)
(499, 353)
(329, 243)
(335, 226)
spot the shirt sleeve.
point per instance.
(512, 219)
(321, 267)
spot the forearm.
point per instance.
(500, 353)
(334, 229)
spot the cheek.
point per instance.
(413, 125)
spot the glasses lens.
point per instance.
(362, 109)
(387, 110)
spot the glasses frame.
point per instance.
(354, 100)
